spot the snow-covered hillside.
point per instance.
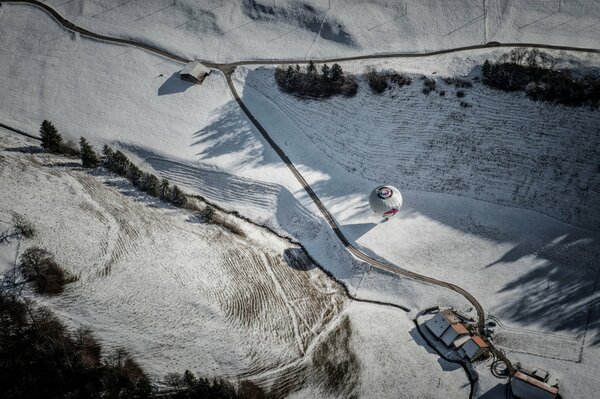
(492, 191)
(180, 294)
(231, 30)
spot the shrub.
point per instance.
(442, 93)
(460, 94)
(458, 83)
(208, 214)
(399, 80)
(22, 226)
(377, 81)
(428, 85)
(39, 267)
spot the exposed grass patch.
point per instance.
(336, 363)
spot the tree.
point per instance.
(178, 198)
(189, 378)
(89, 158)
(165, 190)
(336, 73)
(325, 73)
(486, 70)
(51, 139)
(311, 67)
(38, 266)
(152, 185)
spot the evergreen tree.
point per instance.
(152, 185)
(89, 158)
(165, 190)
(311, 68)
(51, 139)
(325, 73)
(107, 152)
(486, 69)
(178, 198)
(336, 74)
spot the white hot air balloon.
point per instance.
(385, 201)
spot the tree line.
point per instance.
(117, 162)
(536, 74)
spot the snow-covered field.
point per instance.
(232, 30)
(181, 294)
(500, 197)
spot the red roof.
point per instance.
(480, 342)
(460, 328)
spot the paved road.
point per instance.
(228, 68)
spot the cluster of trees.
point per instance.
(311, 83)
(41, 358)
(188, 386)
(53, 142)
(380, 81)
(117, 162)
(534, 73)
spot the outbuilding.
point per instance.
(439, 323)
(523, 386)
(474, 347)
(194, 72)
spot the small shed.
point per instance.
(474, 347)
(194, 72)
(439, 323)
(523, 386)
(455, 331)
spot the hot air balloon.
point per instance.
(385, 201)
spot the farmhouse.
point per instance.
(439, 323)
(523, 386)
(194, 72)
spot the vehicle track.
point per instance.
(228, 68)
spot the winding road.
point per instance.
(229, 68)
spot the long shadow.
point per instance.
(173, 85)
(562, 253)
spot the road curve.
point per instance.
(165, 53)
(228, 68)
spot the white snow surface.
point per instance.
(233, 30)
(492, 193)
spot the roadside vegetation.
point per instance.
(536, 74)
(380, 81)
(316, 82)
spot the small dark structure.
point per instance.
(194, 72)
(527, 387)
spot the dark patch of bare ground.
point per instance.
(335, 364)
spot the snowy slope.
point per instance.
(537, 275)
(231, 30)
(180, 294)
(194, 135)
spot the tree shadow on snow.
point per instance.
(555, 292)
